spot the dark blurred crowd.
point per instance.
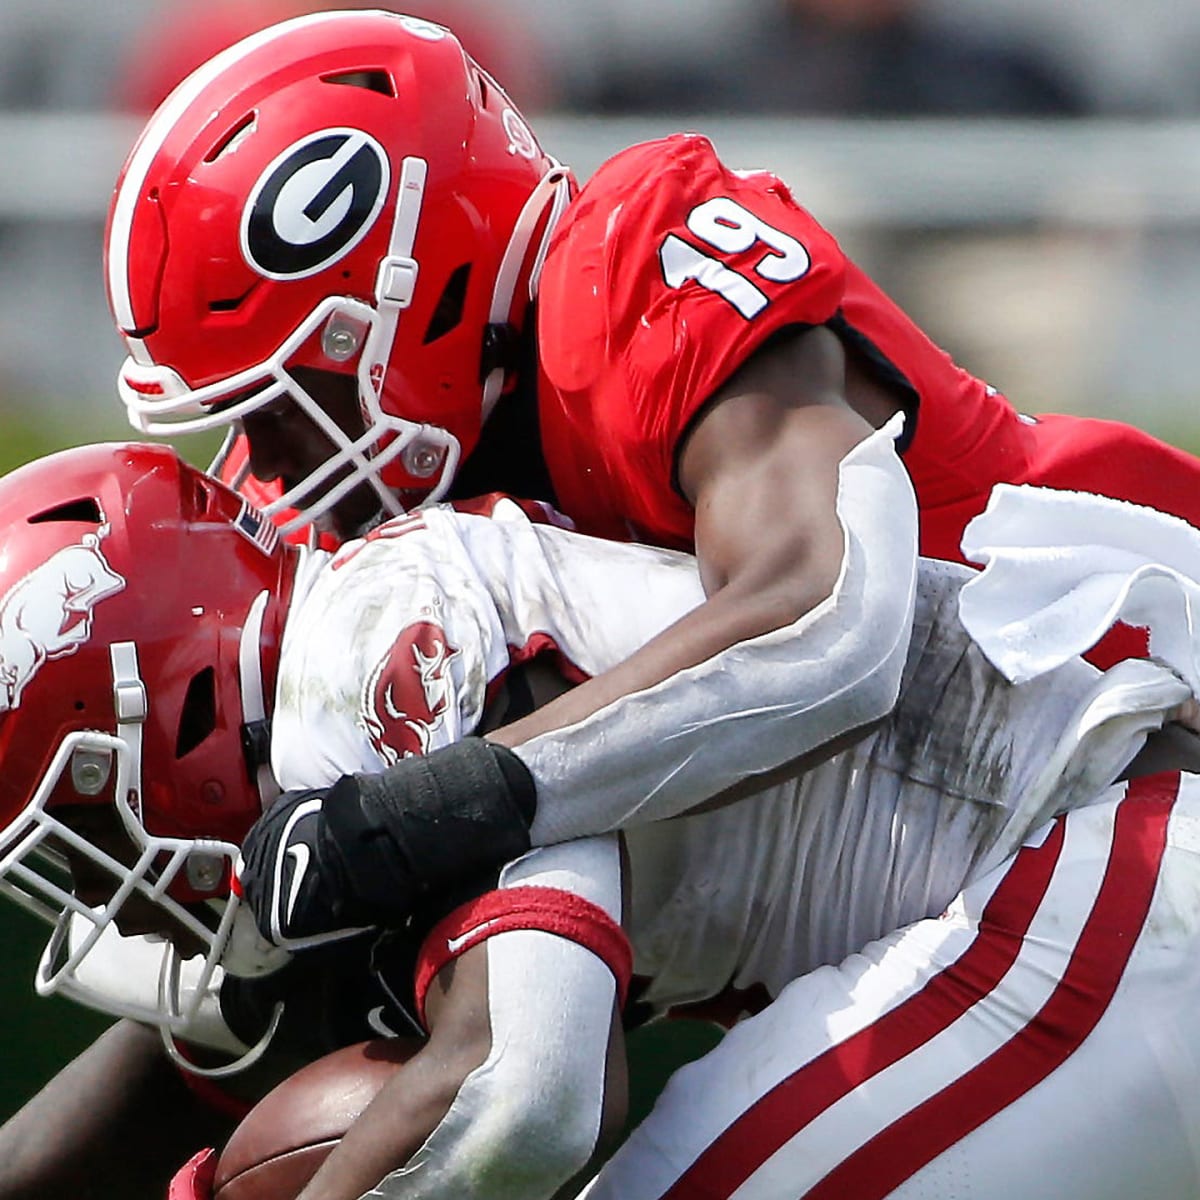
(808, 57)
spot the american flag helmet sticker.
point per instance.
(256, 528)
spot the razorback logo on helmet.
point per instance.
(48, 613)
(314, 203)
(406, 696)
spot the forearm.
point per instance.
(75, 1137)
(389, 1132)
(516, 1113)
(749, 707)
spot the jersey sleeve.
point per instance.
(506, 910)
(398, 644)
(387, 652)
(668, 271)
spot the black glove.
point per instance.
(370, 849)
(332, 996)
(292, 877)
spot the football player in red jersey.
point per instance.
(340, 238)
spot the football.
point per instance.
(282, 1141)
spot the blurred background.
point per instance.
(1023, 177)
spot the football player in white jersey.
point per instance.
(995, 959)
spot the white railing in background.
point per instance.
(903, 173)
(1070, 275)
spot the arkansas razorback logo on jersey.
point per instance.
(48, 613)
(407, 695)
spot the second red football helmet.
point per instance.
(141, 607)
(346, 191)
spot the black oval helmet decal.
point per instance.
(314, 203)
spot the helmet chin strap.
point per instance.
(553, 193)
(255, 719)
(560, 176)
(395, 280)
(132, 708)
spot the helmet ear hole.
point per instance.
(198, 716)
(236, 133)
(482, 84)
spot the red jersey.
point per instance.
(669, 269)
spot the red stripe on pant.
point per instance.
(1059, 1028)
(793, 1103)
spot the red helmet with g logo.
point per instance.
(347, 191)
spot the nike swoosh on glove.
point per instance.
(319, 865)
(292, 878)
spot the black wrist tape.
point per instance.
(429, 822)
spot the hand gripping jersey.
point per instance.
(669, 269)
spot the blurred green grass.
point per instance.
(24, 437)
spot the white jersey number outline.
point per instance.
(728, 227)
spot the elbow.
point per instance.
(547, 1142)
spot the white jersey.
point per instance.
(393, 646)
(929, 836)
(884, 833)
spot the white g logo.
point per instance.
(314, 203)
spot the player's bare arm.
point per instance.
(806, 535)
(760, 467)
(120, 1091)
(807, 531)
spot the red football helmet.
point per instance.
(346, 191)
(141, 606)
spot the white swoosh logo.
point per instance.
(300, 854)
(377, 1023)
(454, 945)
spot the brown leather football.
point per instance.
(282, 1141)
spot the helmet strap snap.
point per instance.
(501, 348)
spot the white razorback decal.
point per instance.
(408, 694)
(48, 613)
